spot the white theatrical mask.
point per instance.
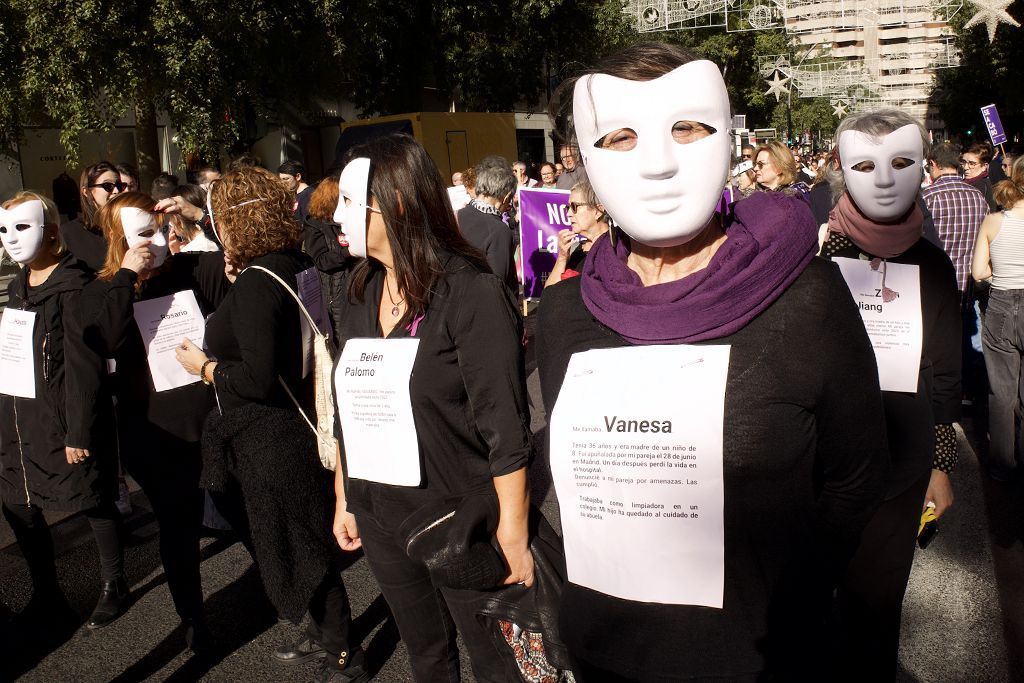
(21, 230)
(136, 222)
(662, 190)
(882, 174)
(353, 190)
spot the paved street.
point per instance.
(964, 617)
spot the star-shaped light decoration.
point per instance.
(777, 86)
(839, 109)
(991, 13)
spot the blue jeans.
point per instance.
(1003, 339)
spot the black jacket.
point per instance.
(332, 260)
(69, 408)
(489, 234)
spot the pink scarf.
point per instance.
(886, 240)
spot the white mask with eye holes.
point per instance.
(882, 174)
(643, 150)
(140, 225)
(21, 230)
(353, 190)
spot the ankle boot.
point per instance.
(112, 603)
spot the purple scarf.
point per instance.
(770, 241)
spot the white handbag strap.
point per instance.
(302, 307)
(296, 402)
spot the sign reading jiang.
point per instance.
(541, 216)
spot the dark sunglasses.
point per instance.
(109, 186)
(574, 206)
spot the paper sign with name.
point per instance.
(542, 213)
(371, 386)
(163, 323)
(889, 298)
(639, 472)
(17, 361)
(311, 294)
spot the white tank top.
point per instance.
(1007, 254)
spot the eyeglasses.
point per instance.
(970, 164)
(574, 206)
(760, 164)
(748, 156)
(109, 186)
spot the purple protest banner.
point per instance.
(993, 124)
(541, 216)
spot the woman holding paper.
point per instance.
(589, 221)
(141, 304)
(900, 280)
(260, 456)
(57, 450)
(427, 323)
(717, 442)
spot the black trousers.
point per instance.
(36, 543)
(329, 611)
(168, 471)
(427, 616)
(870, 597)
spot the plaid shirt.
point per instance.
(958, 210)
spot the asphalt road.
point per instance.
(964, 614)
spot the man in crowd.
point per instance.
(163, 186)
(747, 153)
(206, 175)
(958, 210)
(519, 169)
(292, 174)
(573, 171)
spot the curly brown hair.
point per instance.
(253, 213)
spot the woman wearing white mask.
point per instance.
(905, 287)
(57, 447)
(716, 430)
(159, 418)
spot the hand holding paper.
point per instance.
(190, 356)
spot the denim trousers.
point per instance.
(1003, 341)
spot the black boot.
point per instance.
(198, 636)
(112, 603)
(347, 667)
(298, 652)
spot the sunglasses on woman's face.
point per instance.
(109, 186)
(575, 206)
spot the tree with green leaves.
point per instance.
(989, 73)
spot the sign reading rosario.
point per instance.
(541, 216)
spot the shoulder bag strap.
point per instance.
(302, 307)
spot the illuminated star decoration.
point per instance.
(839, 109)
(777, 86)
(991, 13)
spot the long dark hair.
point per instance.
(89, 176)
(418, 217)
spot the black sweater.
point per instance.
(255, 335)
(911, 418)
(108, 308)
(488, 233)
(804, 467)
(69, 408)
(468, 388)
(87, 245)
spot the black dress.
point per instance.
(804, 467)
(159, 432)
